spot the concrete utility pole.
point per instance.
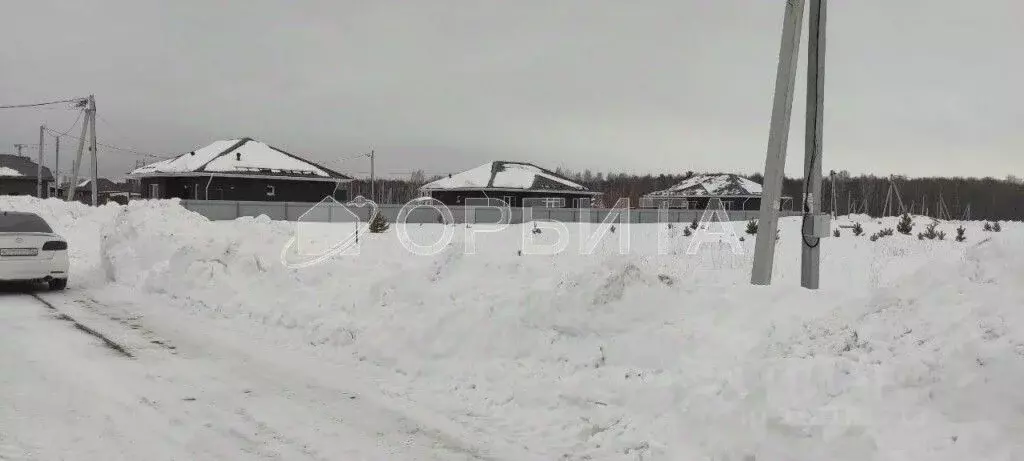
(39, 167)
(90, 121)
(56, 165)
(778, 137)
(372, 181)
(810, 255)
(814, 225)
(95, 163)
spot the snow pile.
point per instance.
(6, 171)
(912, 349)
(80, 224)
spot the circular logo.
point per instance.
(19, 240)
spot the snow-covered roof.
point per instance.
(21, 167)
(243, 156)
(506, 175)
(711, 185)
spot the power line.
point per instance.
(73, 125)
(79, 102)
(123, 149)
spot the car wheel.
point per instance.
(58, 284)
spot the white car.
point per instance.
(30, 251)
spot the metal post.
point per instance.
(39, 167)
(778, 136)
(810, 259)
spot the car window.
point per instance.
(21, 222)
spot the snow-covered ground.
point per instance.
(912, 349)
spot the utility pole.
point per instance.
(810, 255)
(778, 137)
(19, 147)
(39, 167)
(56, 165)
(814, 225)
(95, 163)
(90, 120)
(372, 177)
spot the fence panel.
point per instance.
(218, 210)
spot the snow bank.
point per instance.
(911, 350)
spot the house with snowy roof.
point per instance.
(696, 192)
(240, 169)
(18, 176)
(520, 184)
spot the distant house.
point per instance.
(240, 169)
(517, 183)
(18, 176)
(106, 190)
(696, 192)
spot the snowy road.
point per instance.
(67, 395)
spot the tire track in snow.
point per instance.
(113, 345)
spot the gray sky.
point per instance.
(918, 87)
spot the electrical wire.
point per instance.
(65, 132)
(123, 149)
(38, 104)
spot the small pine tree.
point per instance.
(929, 231)
(920, 236)
(858, 230)
(987, 227)
(996, 227)
(687, 232)
(906, 224)
(960, 234)
(887, 232)
(835, 233)
(379, 224)
(941, 235)
(874, 237)
(752, 227)
(695, 223)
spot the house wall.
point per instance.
(22, 186)
(514, 199)
(700, 203)
(245, 189)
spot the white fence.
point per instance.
(219, 210)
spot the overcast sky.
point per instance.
(917, 87)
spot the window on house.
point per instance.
(154, 191)
(271, 191)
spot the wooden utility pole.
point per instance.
(39, 167)
(778, 137)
